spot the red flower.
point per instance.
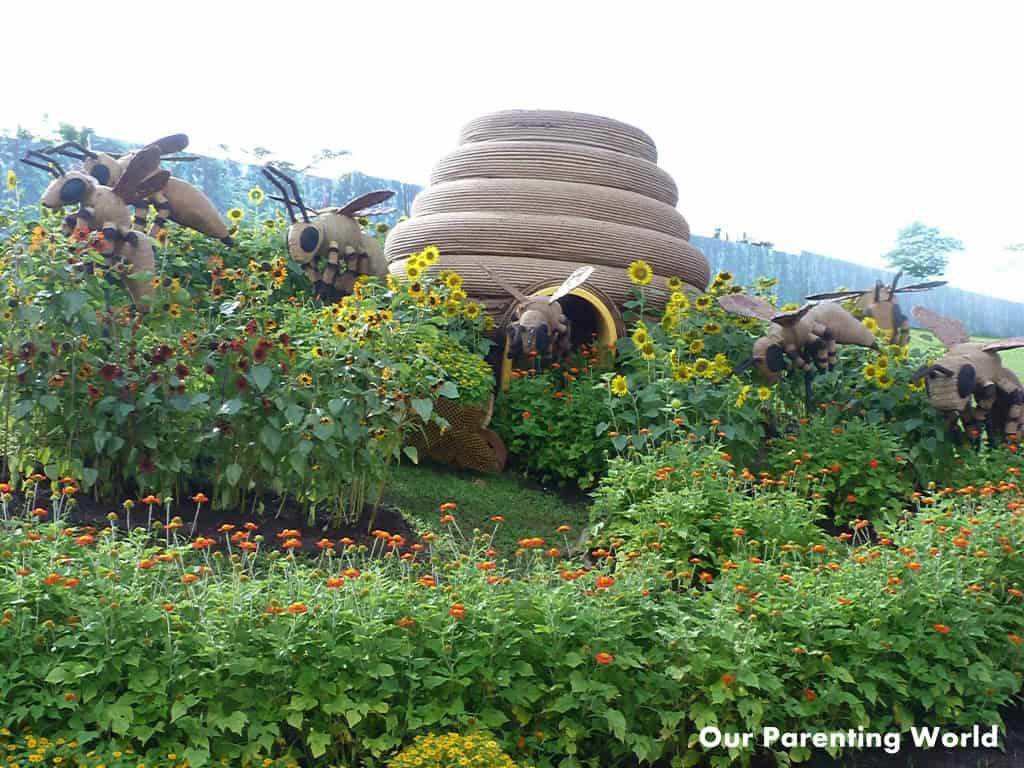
(189, 578)
(335, 583)
(291, 544)
(448, 506)
(457, 611)
(486, 566)
(225, 528)
(169, 607)
(706, 577)
(405, 622)
(728, 679)
(447, 519)
(603, 658)
(874, 463)
(325, 544)
(297, 608)
(942, 629)
(72, 582)
(605, 582)
(52, 579)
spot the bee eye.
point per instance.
(309, 239)
(73, 191)
(101, 173)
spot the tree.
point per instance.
(922, 251)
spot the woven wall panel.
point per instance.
(556, 162)
(564, 127)
(552, 198)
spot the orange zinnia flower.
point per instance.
(151, 499)
(706, 577)
(603, 658)
(605, 582)
(71, 582)
(447, 519)
(297, 608)
(350, 573)
(728, 679)
(189, 578)
(486, 566)
(405, 621)
(335, 583)
(810, 695)
(200, 498)
(942, 629)
(52, 579)
(457, 611)
(448, 506)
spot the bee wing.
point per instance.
(748, 306)
(368, 200)
(152, 184)
(1014, 342)
(834, 295)
(921, 286)
(792, 318)
(515, 292)
(576, 279)
(948, 330)
(168, 145)
(144, 163)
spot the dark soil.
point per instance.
(89, 512)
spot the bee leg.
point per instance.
(141, 215)
(333, 258)
(163, 212)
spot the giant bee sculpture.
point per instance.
(105, 210)
(175, 200)
(805, 339)
(880, 303)
(972, 371)
(329, 243)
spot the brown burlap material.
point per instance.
(466, 442)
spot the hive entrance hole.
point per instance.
(583, 319)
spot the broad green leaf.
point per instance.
(233, 473)
(423, 407)
(261, 376)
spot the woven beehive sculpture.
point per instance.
(534, 195)
(466, 441)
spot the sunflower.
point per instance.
(870, 323)
(640, 272)
(453, 281)
(882, 362)
(317, 352)
(451, 308)
(488, 323)
(304, 380)
(669, 319)
(619, 386)
(458, 296)
(918, 385)
(675, 283)
(741, 398)
(256, 196)
(648, 351)
(235, 215)
(680, 301)
(640, 336)
(12, 181)
(174, 310)
(471, 311)
(884, 380)
(791, 307)
(701, 366)
(682, 373)
(723, 277)
(416, 290)
(703, 303)
(419, 262)
(430, 254)
(412, 271)
(764, 393)
(696, 346)
(338, 329)
(712, 329)
(8, 314)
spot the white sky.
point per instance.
(817, 125)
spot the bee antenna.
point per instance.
(280, 175)
(79, 153)
(50, 165)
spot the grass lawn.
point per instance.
(418, 490)
(1013, 359)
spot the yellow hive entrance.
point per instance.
(605, 320)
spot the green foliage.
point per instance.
(233, 373)
(555, 421)
(922, 251)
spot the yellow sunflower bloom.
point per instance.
(640, 336)
(648, 351)
(453, 281)
(703, 303)
(696, 346)
(430, 254)
(870, 323)
(619, 386)
(640, 272)
(12, 181)
(412, 271)
(675, 283)
(682, 373)
(764, 393)
(256, 196)
(471, 311)
(235, 215)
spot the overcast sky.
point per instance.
(817, 125)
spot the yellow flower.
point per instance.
(712, 329)
(619, 386)
(458, 296)
(764, 393)
(870, 323)
(675, 283)
(430, 254)
(471, 311)
(412, 271)
(640, 272)
(640, 336)
(791, 307)
(680, 301)
(236, 215)
(174, 310)
(882, 362)
(723, 277)
(256, 195)
(884, 380)
(682, 373)
(696, 346)
(741, 398)
(870, 371)
(416, 290)
(12, 180)
(305, 380)
(703, 302)
(453, 281)
(648, 351)
(701, 366)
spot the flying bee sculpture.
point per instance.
(805, 339)
(972, 371)
(880, 303)
(330, 244)
(176, 200)
(104, 210)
